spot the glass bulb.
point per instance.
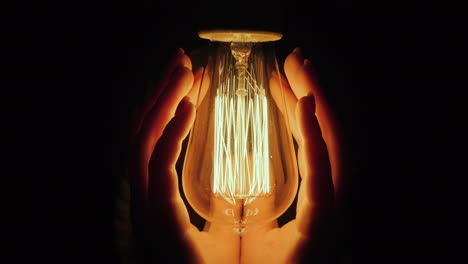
(240, 165)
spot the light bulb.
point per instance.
(240, 165)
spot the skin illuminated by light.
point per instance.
(241, 164)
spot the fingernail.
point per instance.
(298, 52)
(178, 54)
(180, 51)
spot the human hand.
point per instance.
(161, 222)
(157, 204)
(305, 238)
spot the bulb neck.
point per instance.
(241, 52)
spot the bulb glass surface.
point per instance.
(240, 165)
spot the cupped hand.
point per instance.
(307, 237)
(161, 222)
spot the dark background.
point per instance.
(395, 77)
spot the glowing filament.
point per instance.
(241, 163)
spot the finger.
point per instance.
(330, 133)
(316, 195)
(284, 99)
(163, 190)
(167, 216)
(179, 59)
(303, 81)
(200, 86)
(194, 92)
(154, 124)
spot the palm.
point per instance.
(275, 245)
(215, 246)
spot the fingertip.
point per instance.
(176, 59)
(301, 75)
(298, 52)
(308, 67)
(289, 61)
(295, 58)
(177, 54)
(292, 63)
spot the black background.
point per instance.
(395, 78)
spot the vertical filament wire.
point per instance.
(241, 163)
